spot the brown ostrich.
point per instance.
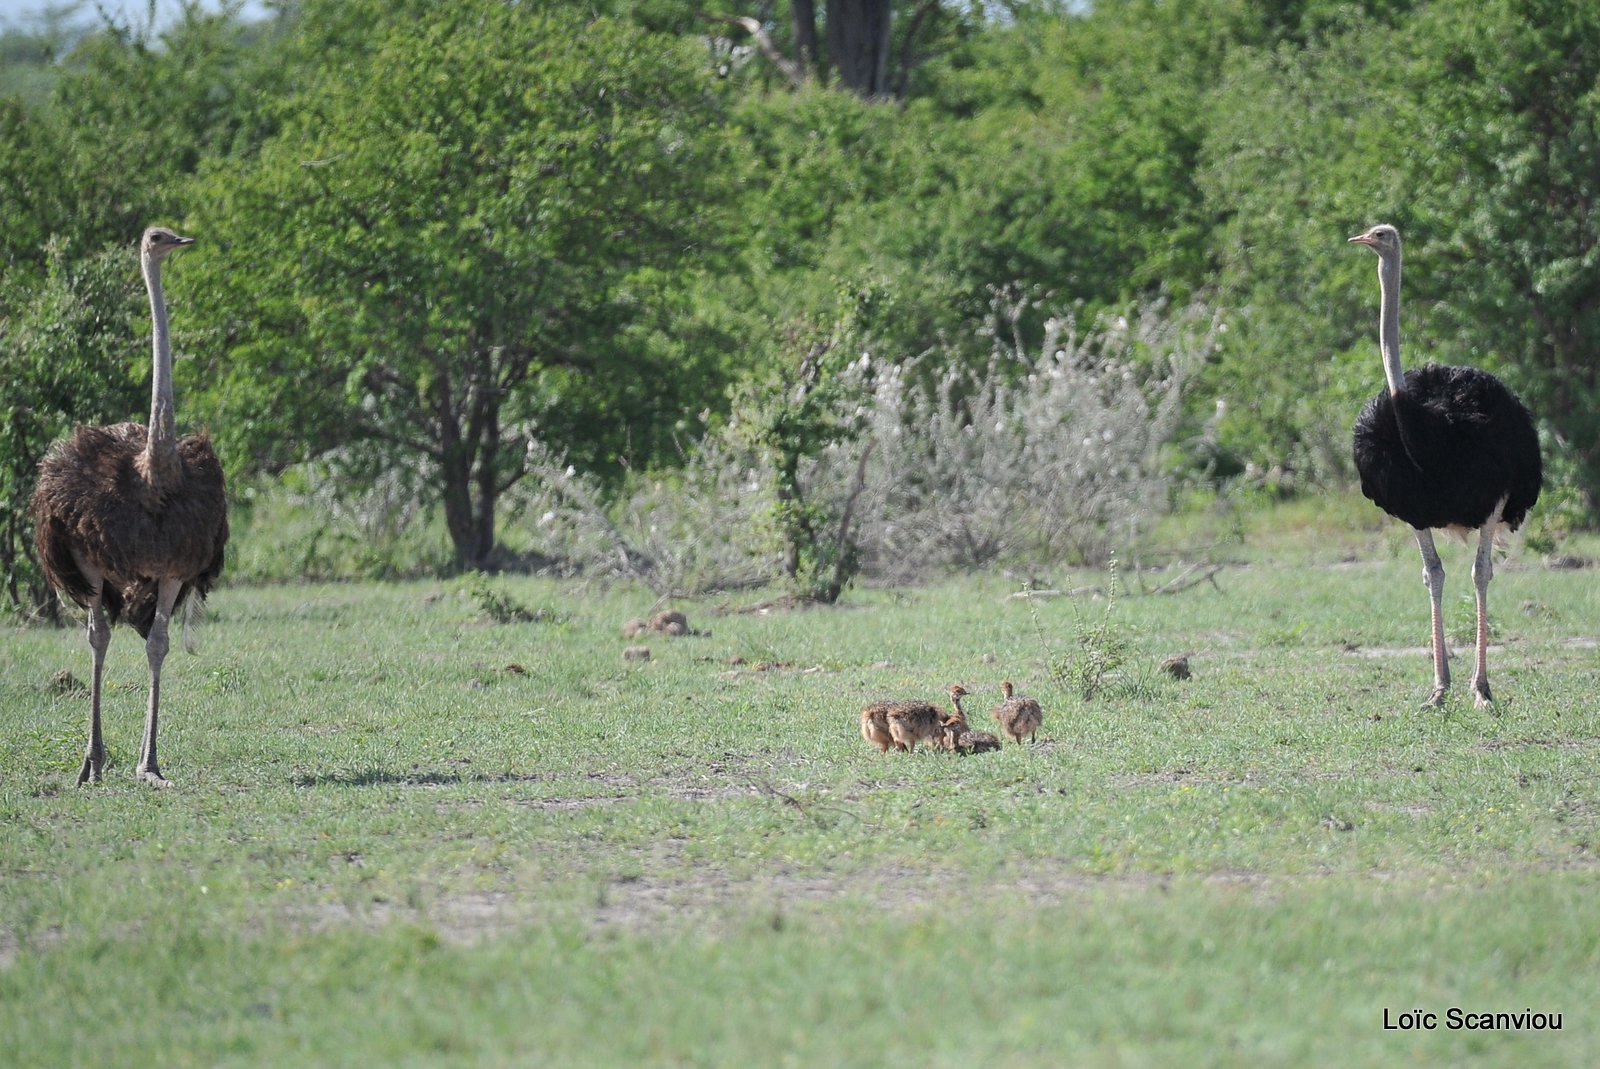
(958, 734)
(129, 522)
(875, 724)
(914, 722)
(1018, 716)
(966, 741)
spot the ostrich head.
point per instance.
(957, 691)
(158, 241)
(1382, 239)
(1006, 688)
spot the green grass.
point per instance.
(387, 846)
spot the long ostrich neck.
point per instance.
(1389, 322)
(161, 447)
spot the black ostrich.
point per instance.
(1449, 448)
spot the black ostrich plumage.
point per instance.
(1462, 441)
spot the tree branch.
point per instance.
(904, 74)
(788, 67)
(1188, 579)
(841, 546)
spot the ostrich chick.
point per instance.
(960, 738)
(1018, 716)
(875, 724)
(958, 734)
(914, 722)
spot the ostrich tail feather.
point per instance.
(194, 616)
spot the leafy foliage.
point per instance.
(467, 240)
(1509, 89)
(503, 608)
(1300, 360)
(814, 409)
(617, 230)
(64, 356)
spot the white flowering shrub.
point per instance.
(1058, 455)
(704, 526)
(1061, 454)
(338, 515)
(376, 501)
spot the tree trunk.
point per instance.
(845, 563)
(456, 495)
(858, 44)
(803, 19)
(468, 459)
(455, 473)
(488, 479)
(470, 498)
(901, 77)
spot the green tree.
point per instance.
(1507, 198)
(468, 229)
(131, 116)
(1302, 145)
(1475, 131)
(29, 191)
(83, 170)
(65, 358)
(813, 404)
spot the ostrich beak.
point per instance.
(1362, 239)
(181, 242)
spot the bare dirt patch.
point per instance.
(1529, 741)
(667, 902)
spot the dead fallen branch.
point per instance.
(1192, 576)
(1075, 592)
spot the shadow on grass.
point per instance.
(416, 777)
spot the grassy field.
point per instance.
(404, 835)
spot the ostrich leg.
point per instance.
(1433, 576)
(156, 650)
(99, 633)
(1482, 572)
(94, 758)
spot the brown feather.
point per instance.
(1018, 716)
(92, 502)
(914, 722)
(875, 722)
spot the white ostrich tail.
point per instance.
(1502, 535)
(194, 615)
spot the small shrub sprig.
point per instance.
(1100, 650)
(502, 608)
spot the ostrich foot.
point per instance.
(1436, 699)
(1480, 693)
(93, 762)
(152, 776)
